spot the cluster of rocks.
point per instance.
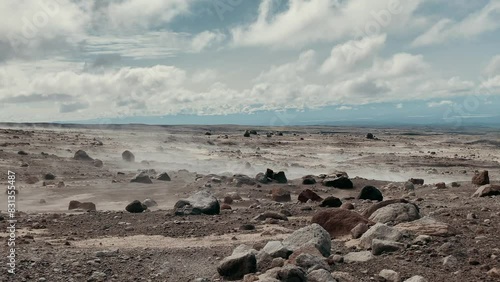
(271, 176)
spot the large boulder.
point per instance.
(136, 207)
(481, 178)
(396, 213)
(370, 193)
(81, 155)
(379, 231)
(338, 222)
(487, 190)
(307, 195)
(128, 156)
(142, 177)
(279, 194)
(276, 249)
(370, 210)
(202, 202)
(314, 235)
(237, 265)
(341, 182)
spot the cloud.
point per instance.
(305, 22)
(347, 55)
(399, 106)
(439, 104)
(73, 107)
(344, 108)
(206, 39)
(493, 67)
(475, 24)
(36, 98)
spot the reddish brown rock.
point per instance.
(225, 207)
(84, 206)
(227, 200)
(441, 185)
(487, 190)
(308, 194)
(279, 194)
(481, 178)
(347, 206)
(339, 222)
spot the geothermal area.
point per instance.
(232, 203)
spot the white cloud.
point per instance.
(347, 55)
(493, 67)
(306, 22)
(439, 104)
(206, 39)
(476, 23)
(344, 108)
(399, 106)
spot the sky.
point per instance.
(276, 62)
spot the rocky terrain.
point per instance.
(228, 203)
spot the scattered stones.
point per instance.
(338, 222)
(81, 155)
(314, 235)
(136, 207)
(142, 177)
(128, 156)
(202, 202)
(396, 213)
(163, 177)
(307, 195)
(279, 194)
(331, 202)
(370, 193)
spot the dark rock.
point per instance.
(78, 205)
(292, 273)
(208, 133)
(23, 153)
(246, 134)
(49, 176)
(98, 163)
(241, 179)
(383, 246)
(128, 156)
(163, 177)
(417, 181)
(370, 136)
(481, 178)
(253, 132)
(236, 266)
(142, 177)
(307, 195)
(308, 180)
(262, 178)
(347, 206)
(339, 222)
(136, 207)
(273, 215)
(280, 177)
(81, 155)
(341, 182)
(370, 193)
(247, 227)
(331, 202)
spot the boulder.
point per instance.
(128, 156)
(338, 222)
(308, 261)
(487, 190)
(369, 211)
(440, 185)
(81, 155)
(370, 136)
(389, 275)
(362, 256)
(276, 249)
(136, 207)
(307, 195)
(201, 202)
(279, 194)
(331, 202)
(163, 177)
(396, 213)
(73, 205)
(370, 193)
(49, 176)
(278, 177)
(379, 231)
(89, 206)
(292, 273)
(481, 178)
(237, 265)
(312, 234)
(246, 134)
(262, 178)
(320, 275)
(341, 182)
(142, 177)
